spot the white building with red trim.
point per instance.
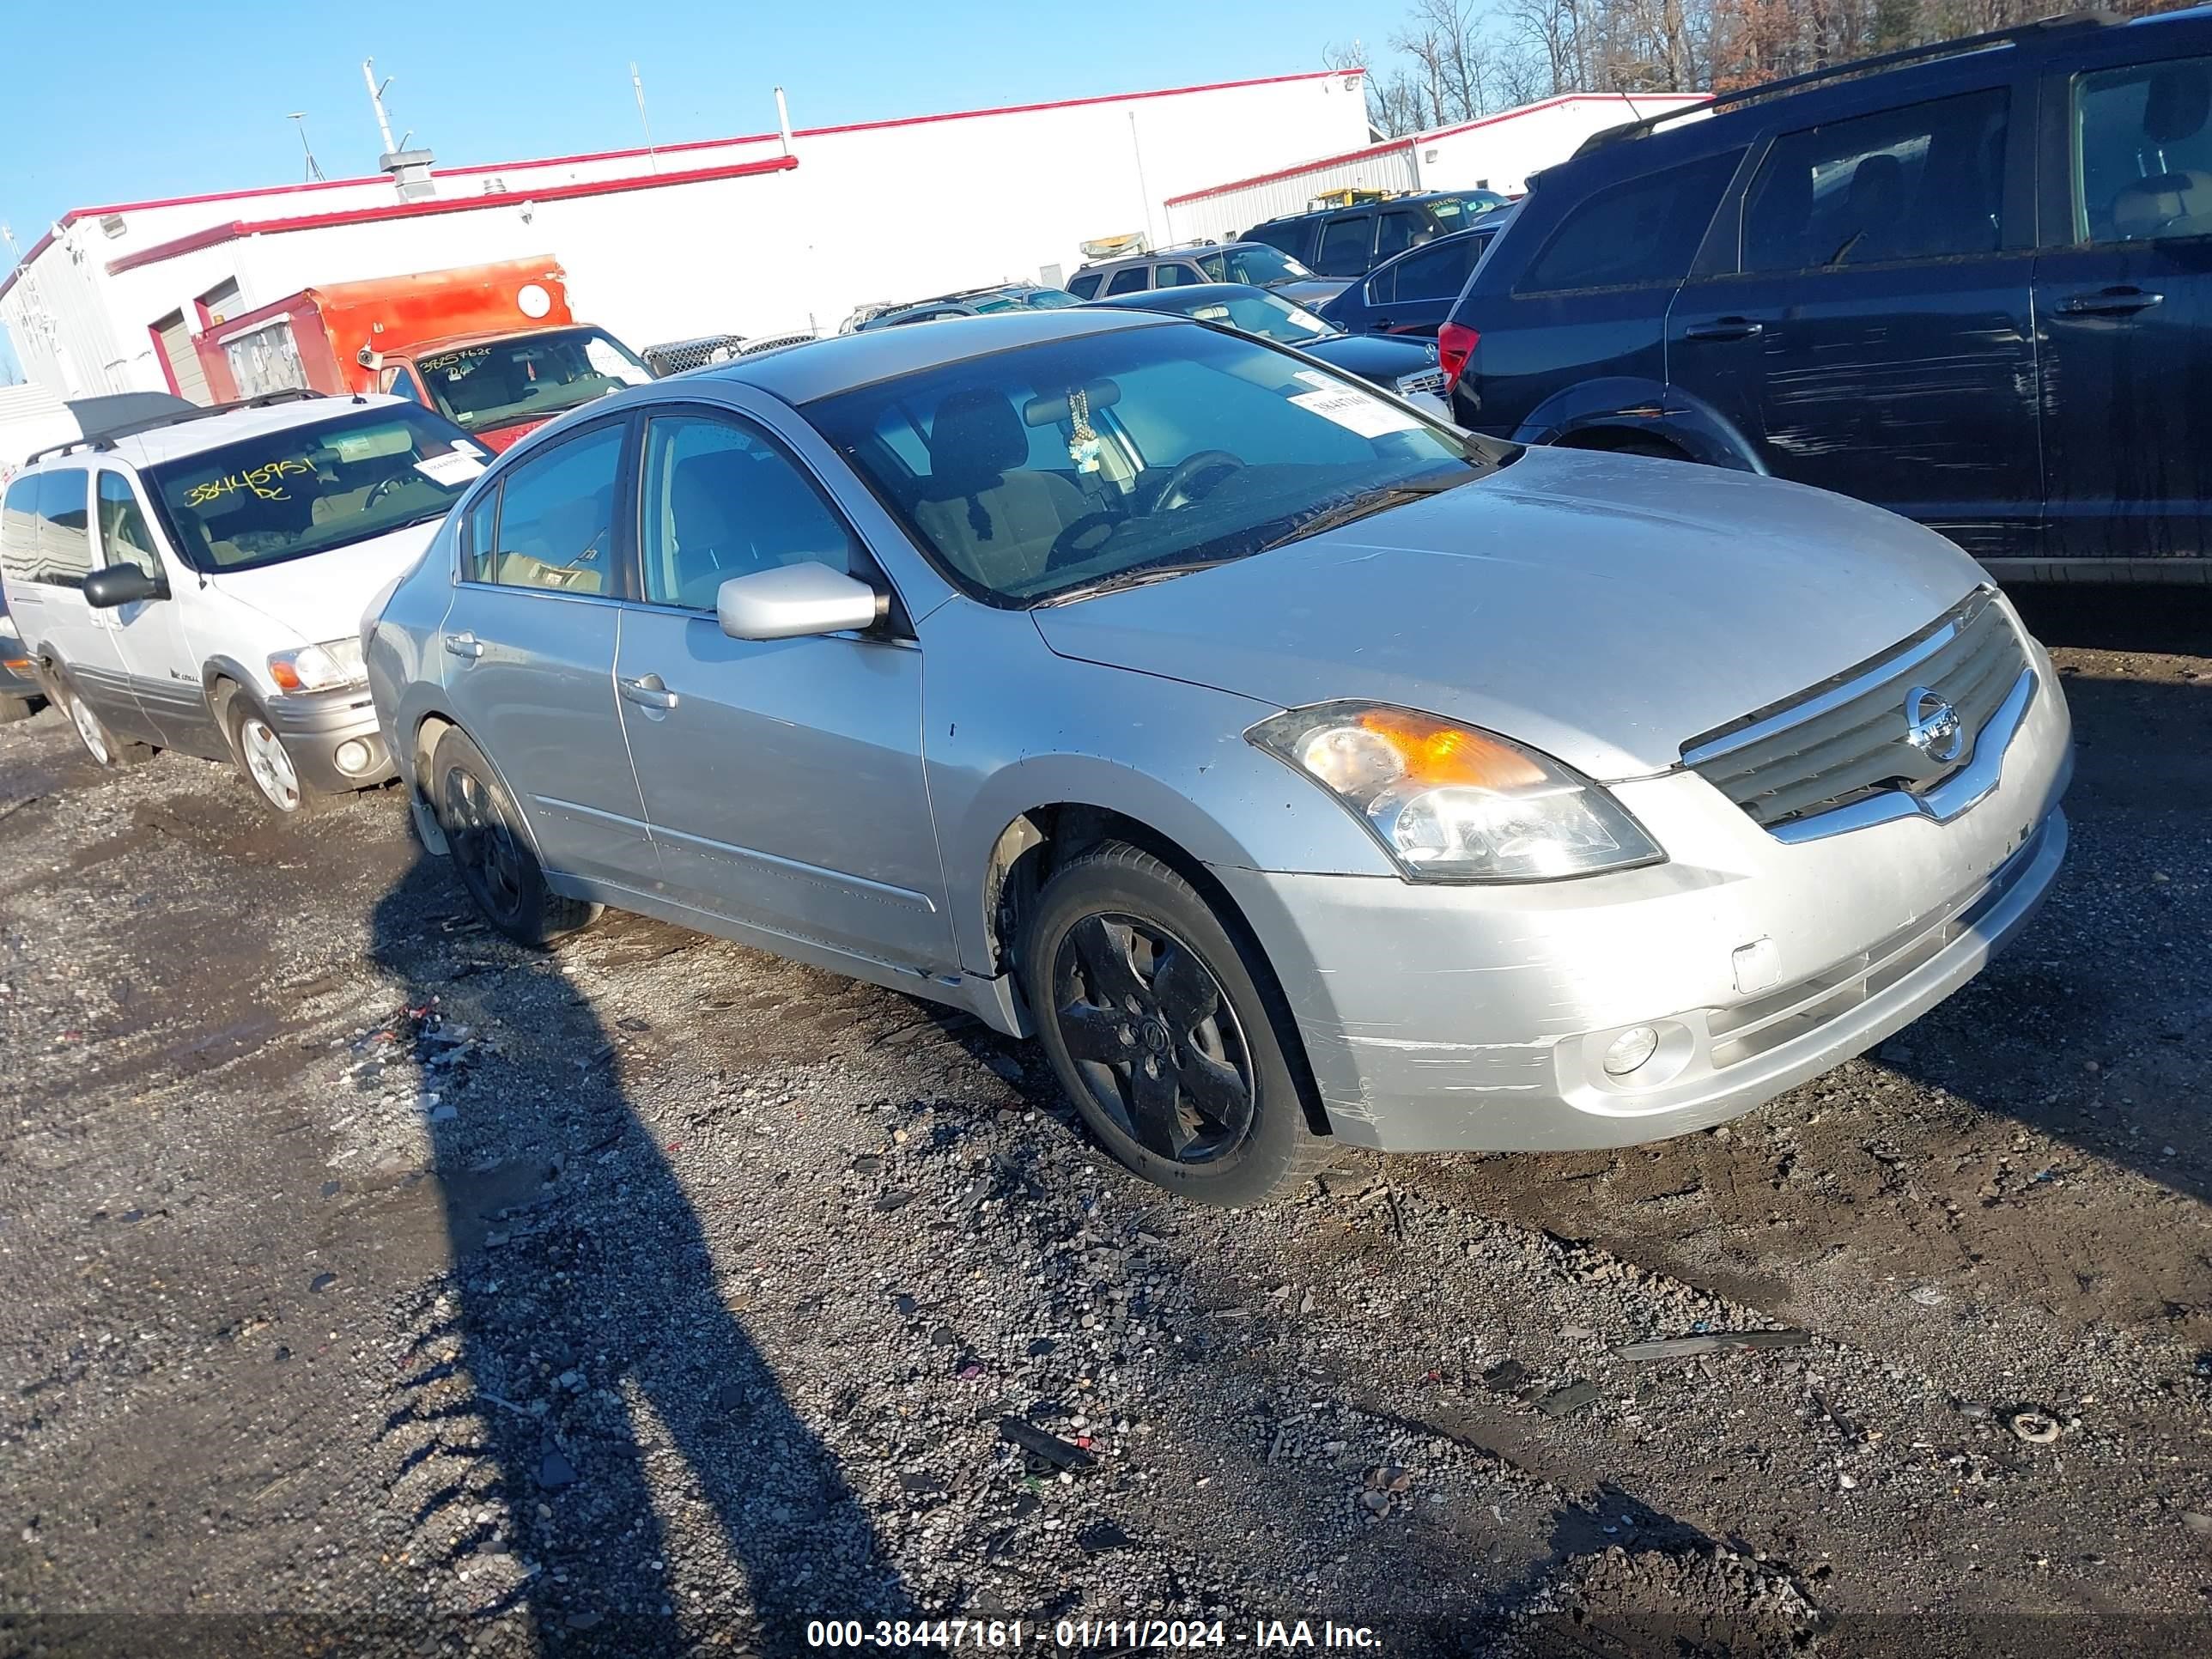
(1499, 152)
(758, 235)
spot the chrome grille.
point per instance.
(1851, 738)
(1430, 380)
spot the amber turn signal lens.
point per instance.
(1438, 753)
(286, 676)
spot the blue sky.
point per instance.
(161, 105)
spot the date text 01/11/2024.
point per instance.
(1074, 1634)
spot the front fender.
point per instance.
(1632, 406)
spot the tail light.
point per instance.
(1455, 344)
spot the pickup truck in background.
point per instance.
(494, 348)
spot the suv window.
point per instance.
(1644, 229)
(556, 519)
(1920, 183)
(721, 501)
(1176, 276)
(124, 536)
(62, 550)
(1436, 273)
(2142, 152)
(1396, 231)
(19, 529)
(1130, 279)
(1086, 287)
(1343, 246)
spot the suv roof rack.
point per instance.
(105, 439)
(1857, 66)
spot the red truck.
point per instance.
(494, 348)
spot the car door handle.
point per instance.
(465, 645)
(2111, 302)
(1725, 328)
(648, 692)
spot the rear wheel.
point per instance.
(492, 853)
(1166, 1031)
(1658, 448)
(102, 744)
(16, 708)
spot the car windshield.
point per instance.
(309, 489)
(1267, 315)
(1029, 298)
(1048, 472)
(528, 377)
(1254, 262)
(1459, 211)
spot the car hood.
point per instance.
(1309, 291)
(323, 595)
(1603, 609)
(1374, 357)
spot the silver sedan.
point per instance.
(1295, 768)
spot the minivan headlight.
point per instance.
(325, 667)
(1450, 802)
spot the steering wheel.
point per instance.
(1177, 492)
(1076, 542)
(391, 481)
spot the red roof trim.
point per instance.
(1412, 140)
(1359, 154)
(214, 234)
(479, 169)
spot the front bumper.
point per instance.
(1475, 1018)
(316, 727)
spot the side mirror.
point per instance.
(122, 584)
(794, 600)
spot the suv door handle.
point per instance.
(2111, 302)
(465, 645)
(1726, 328)
(649, 692)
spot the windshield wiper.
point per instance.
(1359, 507)
(1141, 576)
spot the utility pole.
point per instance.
(298, 118)
(376, 102)
(637, 85)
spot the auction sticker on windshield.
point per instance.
(449, 469)
(1355, 411)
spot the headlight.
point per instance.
(1452, 804)
(324, 667)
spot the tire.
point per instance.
(104, 747)
(270, 773)
(490, 849)
(1657, 449)
(1187, 1082)
(12, 709)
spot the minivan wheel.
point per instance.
(102, 744)
(265, 763)
(1155, 1022)
(16, 708)
(490, 849)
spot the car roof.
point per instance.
(215, 431)
(1187, 251)
(819, 368)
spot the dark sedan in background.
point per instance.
(1413, 293)
(1407, 367)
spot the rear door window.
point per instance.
(1644, 229)
(1086, 287)
(1133, 280)
(1396, 231)
(1344, 244)
(19, 529)
(1177, 275)
(1436, 273)
(1925, 182)
(556, 520)
(2142, 152)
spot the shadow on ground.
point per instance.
(582, 1360)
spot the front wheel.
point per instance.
(1157, 1025)
(492, 853)
(265, 763)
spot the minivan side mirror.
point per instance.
(794, 600)
(122, 584)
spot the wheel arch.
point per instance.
(1600, 413)
(1041, 839)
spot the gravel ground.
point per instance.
(378, 1287)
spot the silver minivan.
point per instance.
(1295, 766)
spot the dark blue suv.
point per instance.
(1974, 288)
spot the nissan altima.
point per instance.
(1295, 768)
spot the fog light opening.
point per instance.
(352, 758)
(1628, 1052)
